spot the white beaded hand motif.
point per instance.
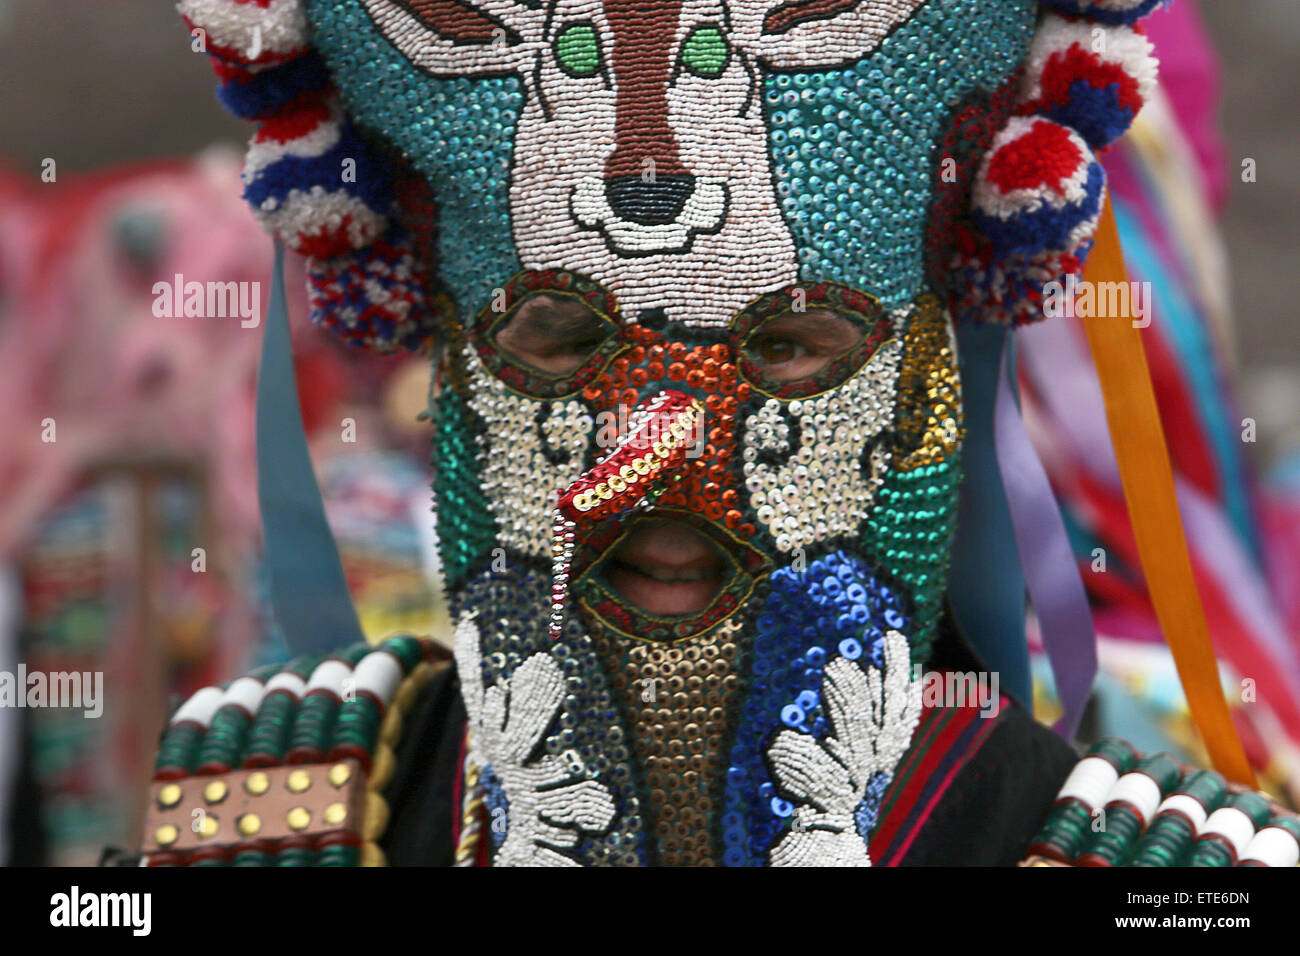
(548, 807)
(871, 723)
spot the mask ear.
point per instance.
(809, 34)
(450, 37)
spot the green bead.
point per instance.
(1161, 768)
(1210, 852)
(408, 650)
(1119, 753)
(1290, 824)
(1252, 804)
(303, 666)
(1206, 786)
(353, 653)
(296, 856)
(1115, 843)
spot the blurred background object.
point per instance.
(118, 166)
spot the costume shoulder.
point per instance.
(289, 766)
(1120, 808)
(972, 790)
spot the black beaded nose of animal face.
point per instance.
(653, 201)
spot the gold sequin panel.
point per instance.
(677, 698)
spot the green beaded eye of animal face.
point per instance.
(705, 52)
(577, 50)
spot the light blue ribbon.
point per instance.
(309, 592)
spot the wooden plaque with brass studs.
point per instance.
(243, 806)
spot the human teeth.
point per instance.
(669, 576)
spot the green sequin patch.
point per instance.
(466, 529)
(577, 50)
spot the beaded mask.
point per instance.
(695, 265)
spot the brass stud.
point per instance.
(340, 774)
(169, 795)
(208, 826)
(216, 791)
(335, 814)
(249, 824)
(257, 783)
(299, 818)
(166, 835)
(298, 781)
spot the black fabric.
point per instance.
(420, 795)
(994, 807)
(27, 839)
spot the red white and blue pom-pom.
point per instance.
(315, 183)
(256, 94)
(1110, 12)
(1037, 197)
(312, 179)
(1093, 79)
(373, 298)
(989, 287)
(1039, 188)
(253, 32)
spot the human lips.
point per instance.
(666, 568)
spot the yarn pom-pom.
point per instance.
(1089, 78)
(261, 32)
(374, 298)
(1111, 12)
(258, 94)
(1008, 290)
(314, 182)
(1038, 189)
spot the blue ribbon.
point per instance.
(986, 585)
(309, 593)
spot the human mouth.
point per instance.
(667, 569)
(666, 575)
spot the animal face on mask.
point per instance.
(641, 148)
(697, 254)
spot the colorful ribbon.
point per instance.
(986, 585)
(309, 592)
(1050, 570)
(1148, 482)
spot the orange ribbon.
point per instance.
(1148, 480)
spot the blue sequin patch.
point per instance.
(807, 616)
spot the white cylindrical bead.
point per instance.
(289, 682)
(1190, 807)
(329, 675)
(1138, 791)
(247, 693)
(1273, 846)
(200, 707)
(1233, 825)
(378, 673)
(1090, 781)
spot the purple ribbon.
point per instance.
(1051, 573)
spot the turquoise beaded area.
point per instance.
(457, 132)
(853, 150)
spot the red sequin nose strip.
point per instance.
(662, 434)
